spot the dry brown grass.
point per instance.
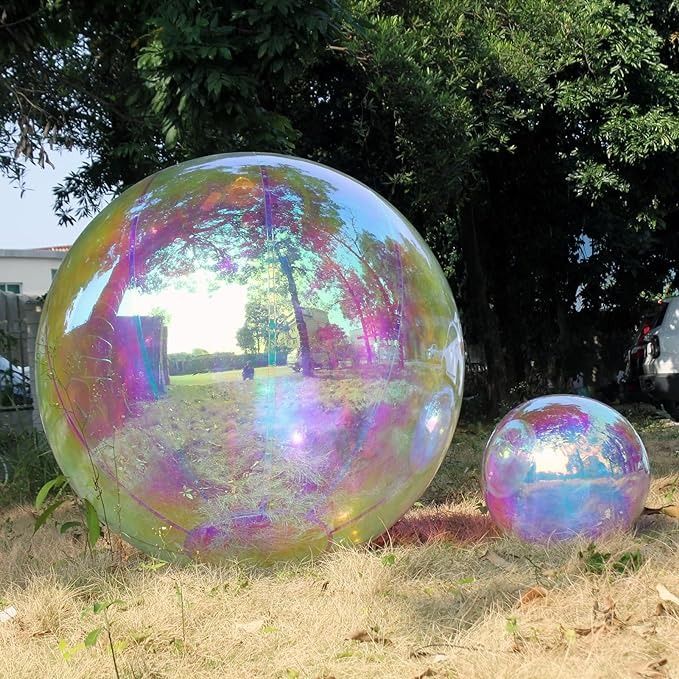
(440, 597)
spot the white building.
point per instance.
(30, 272)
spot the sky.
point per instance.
(30, 222)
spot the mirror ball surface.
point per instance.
(563, 466)
(249, 355)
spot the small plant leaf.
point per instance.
(56, 482)
(100, 606)
(70, 525)
(594, 561)
(41, 520)
(154, 565)
(93, 525)
(91, 638)
(389, 559)
(628, 562)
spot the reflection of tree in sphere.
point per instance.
(233, 361)
(508, 462)
(562, 466)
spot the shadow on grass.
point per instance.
(439, 524)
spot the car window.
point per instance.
(661, 314)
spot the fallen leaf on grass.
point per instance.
(432, 655)
(7, 614)
(532, 594)
(606, 608)
(666, 595)
(369, 635)
(250, 627)
(671, 510)
(668, 510)
(497, 560)
(644, 629)
(656, 669)
(427, 673)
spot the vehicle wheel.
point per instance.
(672, 409)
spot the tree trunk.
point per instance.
(304, 347)
(487, 327)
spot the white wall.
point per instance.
(33, 271)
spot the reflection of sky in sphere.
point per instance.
(560, 466)
(234, 359)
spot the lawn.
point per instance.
(443, 595)
(230, 375)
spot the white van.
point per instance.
(659, 378)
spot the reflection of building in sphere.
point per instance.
(234, 361)
(561, 466)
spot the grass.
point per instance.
(230, 375)
(443, 595)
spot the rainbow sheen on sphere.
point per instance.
(563, 466)
(249, 356)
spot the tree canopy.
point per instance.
(534, 143)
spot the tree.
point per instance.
(333, 340)
(139, 86)
(247, 340)
(533, 143)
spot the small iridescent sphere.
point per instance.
(559, 467)
(249, 356)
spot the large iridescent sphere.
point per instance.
(559, 467)
(249, 355)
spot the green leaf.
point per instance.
(466, 581)
(389, 559)
(628, 562)
(153, 565)
(512, 626)
(99, 606)
(92, 637)
(42, 519)
(595, 561)
(56, 482)
(69, 525)
(171, 136)
(93, 525)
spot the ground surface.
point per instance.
(444, 596)
(230, 375)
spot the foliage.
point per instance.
(140, 86)
(533, 143)
(26, 463)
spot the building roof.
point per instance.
(35, 253)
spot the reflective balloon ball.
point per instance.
(560, 466)
(249, 356)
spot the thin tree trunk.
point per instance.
(304, 346)
(486, 318)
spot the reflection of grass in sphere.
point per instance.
(205, 437)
